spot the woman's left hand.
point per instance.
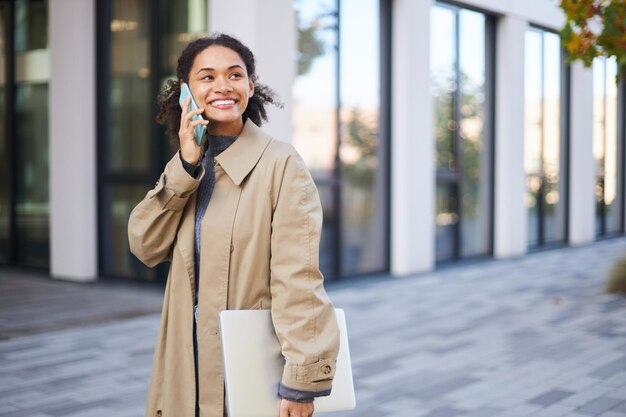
(294, 409)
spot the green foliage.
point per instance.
(617, 277)
(595, 28)
(363, 139)
(310, 46)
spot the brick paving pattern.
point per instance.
(534, 336)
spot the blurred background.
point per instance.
(436, 131)
(465, 168)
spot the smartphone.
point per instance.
(200, 129)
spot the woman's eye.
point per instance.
(235, 75)
(208, 77)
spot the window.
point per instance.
(6, 185)
(338, 129)
(605, 147)
(138, 47)
(24, 200)
(545, 142)
(461, 73)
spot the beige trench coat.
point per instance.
(259, 250)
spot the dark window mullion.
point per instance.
(103, 88)
(458, 152)
(156, 152)
(564, 157)
(489, 125)
(10, 127)
(540, 193)
(338, 241)
(621, 149)
(384, 138)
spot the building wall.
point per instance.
(268, 28)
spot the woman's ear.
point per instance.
(251, 89)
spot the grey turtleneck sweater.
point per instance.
(217, 145)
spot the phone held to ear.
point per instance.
(200, 129)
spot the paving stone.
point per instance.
(486, 411)
(446, 412)
(611, 368)
(621, 407)
(499, 338)
(598, 406)
(550, 397)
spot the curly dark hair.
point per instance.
(169, 109)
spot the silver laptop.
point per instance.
(253, 366)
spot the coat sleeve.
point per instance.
(153, 223)
(303, 316)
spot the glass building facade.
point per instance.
(344, 125)
(607, 148)
(462, 86)
(24, 80)
(545, 139)
(340, 132)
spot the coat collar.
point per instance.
(240, 157)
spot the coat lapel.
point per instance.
(242, 156)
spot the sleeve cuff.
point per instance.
(192, 169)
(300, 396)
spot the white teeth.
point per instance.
(222, 102)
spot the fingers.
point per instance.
(186, 114)
(295, 409)
(284, 409)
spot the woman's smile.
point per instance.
(222, 103)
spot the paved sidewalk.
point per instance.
(534, 336)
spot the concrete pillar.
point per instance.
(412, 147)
(268, 29)
(72, 140)
(582, 210)
(511, 218)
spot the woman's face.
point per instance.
(220, 85)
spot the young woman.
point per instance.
(239, 218)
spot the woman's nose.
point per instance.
(223, 85)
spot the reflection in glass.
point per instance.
(605, 154)
(31, 133)
(443, 73)
(362, 188)
(329, 230)
(314, 88)
(315, 112)
(446, 221)
(5, 191)
(545, 192)
(458, 73)
(533, 108)
(553, 203)
(117, 256)
(131, 103)
(474, 179)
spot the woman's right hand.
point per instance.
(189, 149)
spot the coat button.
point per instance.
(326, 369)
(159, 414)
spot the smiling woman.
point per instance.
(239, 218)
